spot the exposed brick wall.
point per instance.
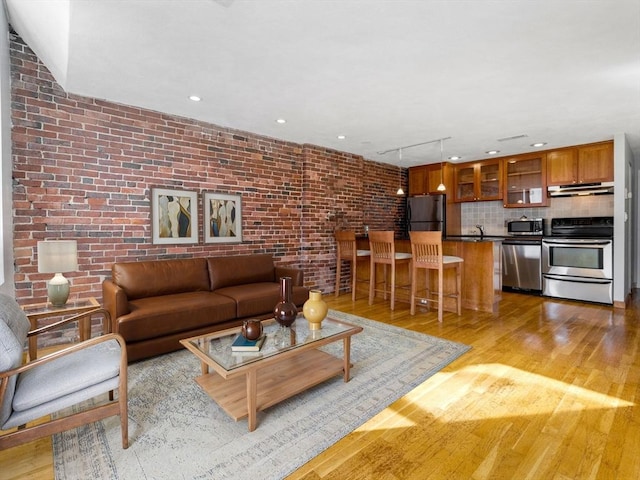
(83, 169)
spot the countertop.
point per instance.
(474, 238)
(455, 238)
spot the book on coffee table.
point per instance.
(241, 344)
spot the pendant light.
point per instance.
(441, 187)
(400, 190)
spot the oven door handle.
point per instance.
(576, 242)
(575, 279)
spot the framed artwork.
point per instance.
(174, 216)
(222, 218)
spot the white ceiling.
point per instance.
(384, 73)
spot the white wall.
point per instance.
(6, 167)
(624, 222)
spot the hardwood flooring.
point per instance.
(548, 391)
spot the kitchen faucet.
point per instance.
(479, 227)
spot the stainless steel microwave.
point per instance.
(526, 226)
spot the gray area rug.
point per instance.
(177, 432)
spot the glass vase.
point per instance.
(285, 312)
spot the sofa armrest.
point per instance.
(297, 275)
(115, 302)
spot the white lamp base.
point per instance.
(58, 290)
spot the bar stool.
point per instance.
(426, 248)
(347, 251)
(383, 251)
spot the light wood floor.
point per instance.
(549, 391)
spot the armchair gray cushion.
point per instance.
(65, 381)
(14, 326)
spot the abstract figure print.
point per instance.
(175, 216)
(222, 222)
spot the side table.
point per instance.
(38, 311)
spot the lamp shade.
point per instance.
(57, 256)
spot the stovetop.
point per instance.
(582, 227)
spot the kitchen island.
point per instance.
(481, 272)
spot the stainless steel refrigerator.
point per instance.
(426, 213)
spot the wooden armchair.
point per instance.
(57, 381)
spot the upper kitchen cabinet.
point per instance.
(425, 179)
(583, 164)
(595, 163)
(562, 166)
(525, 181)
(478, 181)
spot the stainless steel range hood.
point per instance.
(598, 188)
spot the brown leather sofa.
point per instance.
(154, 304)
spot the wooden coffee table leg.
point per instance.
(252, 401)
(347, 357)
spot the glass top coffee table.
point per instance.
(289, 362)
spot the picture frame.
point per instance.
(174, 216)
(222, 218)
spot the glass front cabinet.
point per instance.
(525, 181)
(478, 181)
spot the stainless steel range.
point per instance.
(577, 259)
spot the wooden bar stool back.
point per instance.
(426, 249)
(347, 251)
(383, 252)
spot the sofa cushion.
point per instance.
(260, 298)
(240, 270)
(154, 317)
(161, 277)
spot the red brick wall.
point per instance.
(83, 169)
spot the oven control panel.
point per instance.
(582, 227)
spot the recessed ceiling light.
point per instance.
(281, 120)
(455, 158)
(539, 144)
(194, 98)
(492, 152)
(341, 137)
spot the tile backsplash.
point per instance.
(492, 215)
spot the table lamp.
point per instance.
(58, 256)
